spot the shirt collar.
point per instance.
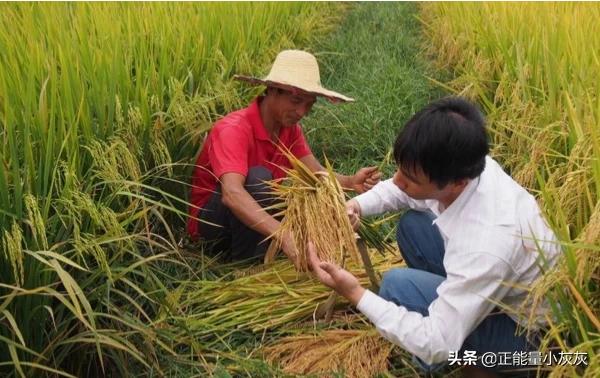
(483, 201)
(256, 121)
(447, 218)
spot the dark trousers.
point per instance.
(233, 237)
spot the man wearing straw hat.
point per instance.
(245, 148)
(473, 241)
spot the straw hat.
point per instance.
(297, 69)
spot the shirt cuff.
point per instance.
(242, 170)
(367, 202)
(372, 305)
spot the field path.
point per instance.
(375, 57)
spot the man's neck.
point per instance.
(271, 126)
(448, 200)
(453, 193)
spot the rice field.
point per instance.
(103, 107)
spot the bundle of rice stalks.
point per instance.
(356, 353)
(314, 211)
(258, 300)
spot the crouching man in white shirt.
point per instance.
(473, 240)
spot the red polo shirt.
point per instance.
(237, 142)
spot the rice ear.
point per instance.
(356, 353)
(314, 211)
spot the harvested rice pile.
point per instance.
(272, 297)
(356, 353)
(314, 211)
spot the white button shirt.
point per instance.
(491, 235)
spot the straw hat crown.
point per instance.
(298, 69)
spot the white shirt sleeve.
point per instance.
(386, 196)
(473, 285)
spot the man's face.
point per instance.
(417, 185)
(290, 107)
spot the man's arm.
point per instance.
(249, 212)
(384, 197)
(244, 207)
(363, 180)
(469, 293)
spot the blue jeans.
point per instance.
(415, 287)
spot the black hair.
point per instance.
(447, 140)
(276, 90)
(273, 89)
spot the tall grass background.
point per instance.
(102, 109)
(535, 69)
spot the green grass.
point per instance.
(374, 57)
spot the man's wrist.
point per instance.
(356, 185)
(355, 295)
(355, 206)
(348, 182)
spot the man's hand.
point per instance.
(365, 178)
(353, 211)
(289, 248)
(331, 275)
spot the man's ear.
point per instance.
(461, 183)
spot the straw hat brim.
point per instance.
(332, 96)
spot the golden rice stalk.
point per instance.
(314, 211)
(357, 353)
(592, 370)
(259, 299)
